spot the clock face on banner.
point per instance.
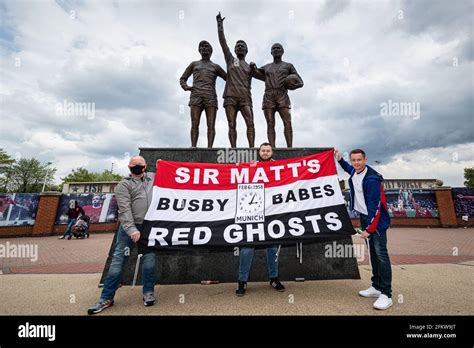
(250, 203)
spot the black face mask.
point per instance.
(137, 169)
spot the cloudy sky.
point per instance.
(355, 57)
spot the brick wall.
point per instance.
(46, 213)
(45, 220)
(468, 223)
(49, 203)
(447, 214)
(408, 222)
(109, 227)
(16, 231)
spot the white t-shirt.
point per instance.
(359, 200)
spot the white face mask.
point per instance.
(71, 204)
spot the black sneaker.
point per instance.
(241, 290)
(100, 306)
(275, 283)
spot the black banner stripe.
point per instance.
(325, 218)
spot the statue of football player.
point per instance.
(203, 92)
(237, 95)
(279, 77)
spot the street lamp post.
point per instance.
(46, 176)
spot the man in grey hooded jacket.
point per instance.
(134, 194)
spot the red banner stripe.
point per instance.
(210, 176)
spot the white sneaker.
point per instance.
(383, 302)
(370, 292)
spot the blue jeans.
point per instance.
(246, 257)
(381, 267)
(122, 250)
(70, 222)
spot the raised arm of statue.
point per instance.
(220, 31)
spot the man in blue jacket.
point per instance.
(368, 198)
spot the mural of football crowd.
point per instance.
(405, 203)
(18, 209)
(463, 202)
(100, 207)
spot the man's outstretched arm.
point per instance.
(257, 73)
(346, 166)
(220, 32)
(221, 72)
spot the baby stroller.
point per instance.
(81, 228)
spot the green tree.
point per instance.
(27, 175)
(79, 175)
(469, 177)
(5, 159)
(5, 163)
(83, 175)
(107, 175)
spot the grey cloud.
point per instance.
(426, 15)
(332, 8)
(444, 21)
(139, 106)
(112, 87)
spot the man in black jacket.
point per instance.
(72, 214)
(265, 153)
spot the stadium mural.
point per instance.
(463, 202)
(406, 203)
(18, 209)
(101, 208)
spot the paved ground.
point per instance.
(433, 274)
(428, 245)
(435, 289)
(406, 246)
(60, 256)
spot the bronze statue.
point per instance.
(237, 95)
(203, 92)
(279, 76)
